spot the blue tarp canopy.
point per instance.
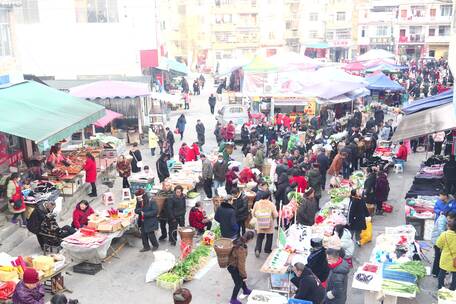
(429, 102)
(381, 82)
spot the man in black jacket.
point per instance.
(336, 285)
(226, 217)
(309, 286)
(147, 211)
(175, 210)
(200, 133)
(212, 100)
(323, 162)
(37, 217)
(162, 167)
(369, 186)
(170, 139)
(241, 206)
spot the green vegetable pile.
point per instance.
(413, 267)
(298, 197)
(339, 194)
(217, 232)
(169, 277)
(192, 194)
(401, 287)
(187, 267)
(446, 294)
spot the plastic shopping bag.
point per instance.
(366, 235)
(164, 261)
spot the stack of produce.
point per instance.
(186, 269)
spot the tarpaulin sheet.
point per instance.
(45, 115)
(428, 121)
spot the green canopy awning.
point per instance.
(43, 114)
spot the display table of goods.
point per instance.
(392, 271)
(188, 266)
(49, 269)
(419, 212)
(72, 176)
(186, 175)
(92, 243)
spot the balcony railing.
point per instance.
(414, 38)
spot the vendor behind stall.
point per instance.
(56, 157)
(81, 214)
(29, 290)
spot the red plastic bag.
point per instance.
(176, 131)
(7, 290)
(387, 207)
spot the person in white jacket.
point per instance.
(346, 242)
(438, 138)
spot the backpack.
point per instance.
(264, 218)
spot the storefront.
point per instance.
(412, 51)
(438, 50)
(339, 50)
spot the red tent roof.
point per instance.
(354, 66)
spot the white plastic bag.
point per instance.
(163, 262)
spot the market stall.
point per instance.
(50, 271)
(394, 269)
(93, 242)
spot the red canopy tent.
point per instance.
(354, 66)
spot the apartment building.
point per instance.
(9, 66)
(312, 29)
(272, 26)
(71, 39)
(423, 28)
(376, 23)
(339, 24)
(185, 27)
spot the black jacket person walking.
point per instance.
(147, 219)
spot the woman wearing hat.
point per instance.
(29, 290)
(147, 219)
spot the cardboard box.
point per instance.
(105, 227)
(116, 225)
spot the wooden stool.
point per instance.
(126, 195)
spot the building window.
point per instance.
(223, 19)
(329, 35)
(446, 10)
(444, 30)
(432, 12)
(28, 12)
(224, 37)
(181, 9)
(343, 33)
(96, 11)
(288, 25)
(219, 3)
(418, 11)
(363, 31)
(340, 16)
(313, 17)
(382, 31)
(271, 36)
(313, 34)
(432, 32)
(5, 34)
(403, 13)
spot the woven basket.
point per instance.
(223, 247)
(160, 200)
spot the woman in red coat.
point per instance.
(81, 214)
(184, 152)
(90, 168)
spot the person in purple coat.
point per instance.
(29, 290)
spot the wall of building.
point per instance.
(60, 46)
